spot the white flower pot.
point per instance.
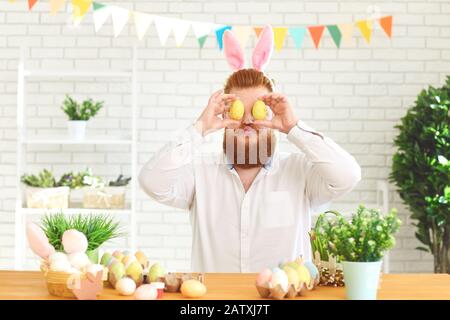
(48, 198)
(77, 129)
(361, 279)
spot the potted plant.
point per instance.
(78, 182)
(107, 197)
(79, 114)
(98, 229)
(421, 171)
(359, 245)
(42, 191)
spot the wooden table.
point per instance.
(31, 285)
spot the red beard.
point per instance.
(248, 146)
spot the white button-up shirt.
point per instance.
(238, 231)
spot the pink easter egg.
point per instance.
(264, 277)
(38, 241)
(146, 292)
(74, 241)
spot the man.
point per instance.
(251, 207)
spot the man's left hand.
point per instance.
(283, 118)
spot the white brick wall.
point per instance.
(354, 94)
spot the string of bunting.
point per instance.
(340, 33)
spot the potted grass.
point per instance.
(359, 244)
(42, 191)
(79, 114)
(98, 229)
(111, 196)
(79, 182)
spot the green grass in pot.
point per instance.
(98, 229)
(80, 112)
(44, 179)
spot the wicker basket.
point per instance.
(47, 198)
(104, 198)
(60, 284)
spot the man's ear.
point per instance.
(263, 49)
(233, 51)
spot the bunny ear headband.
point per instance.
(261, 54)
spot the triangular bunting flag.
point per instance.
(120, 18)
(365, 26)
(201, 31)
(55, 5)
(346, 31)
(257, 31)
(142, 21)
(242, 33)
(100, 15)
(335, 34)
(180, 29)
(219, 34)
(298, 34)
(279, 34)
(163, 27)
(31, 4)
(316, 34)
(79, 9)
(97, 5)
(386, 24)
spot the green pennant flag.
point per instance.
(201, 41)
(97, 5)
(335, 34)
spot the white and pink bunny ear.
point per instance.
(233, 51)
(263, 49)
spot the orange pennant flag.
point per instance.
(365, 26)
(257, 31)
(279, 34)
(316, 34)
(31, 4)
(55, 5)
(386, 24)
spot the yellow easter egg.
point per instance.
(259, 111)
(237, 110)
(193, 289)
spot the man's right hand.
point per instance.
(214, 117)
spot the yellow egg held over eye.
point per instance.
(259, 111)
(237, 110)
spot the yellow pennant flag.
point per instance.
(366, 27)
(79, 9)
(279, 34)
(55, 5)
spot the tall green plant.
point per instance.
(421, 171)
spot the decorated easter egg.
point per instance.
(105, 258)
(146, 292)
(61, 266)
(259, 111)
(264, 278)
(303, 273)
(193, 289)
(74, 241)
(79, 260)
(279, 277)
(126, 286)
(38, 241)
(57, 256)
(292, 275)
(236, 110)
(313, 271)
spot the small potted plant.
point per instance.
(98, 229)
(79, 114)
(107, 197)
(359, 245)
(42, 191)
(78, 182)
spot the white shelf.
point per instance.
(71, 211)
(67, 140)
(75, 73)
(25, 139)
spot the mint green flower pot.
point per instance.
(93, 255)
(361, 279)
